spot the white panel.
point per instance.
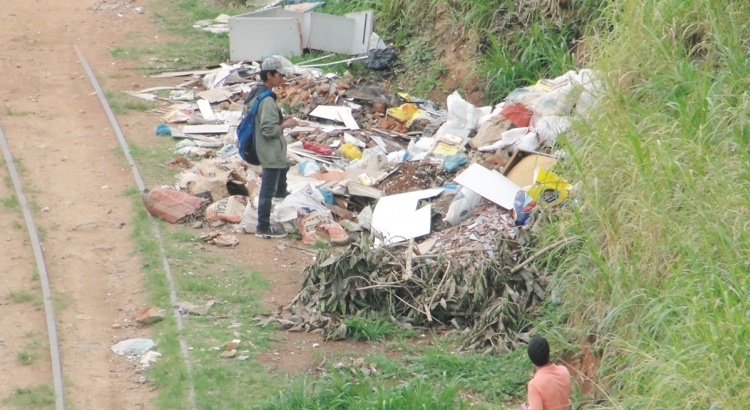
(278, 31)
(362, 31)
(489, 184)
(331, 33)
(253, 38)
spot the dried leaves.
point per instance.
(471, 292)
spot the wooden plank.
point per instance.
(181, 74)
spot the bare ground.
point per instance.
(73, 174)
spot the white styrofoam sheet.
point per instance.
(397, 216)
(490, 184)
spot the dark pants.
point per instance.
(273, 185)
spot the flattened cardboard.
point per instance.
(521, 168)
(215, 95)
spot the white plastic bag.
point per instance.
(308, 168)
(529, 142)
(304, 201)
(461, 207)
(249, 221)
(549, 127)
(511, 137)
(463, 117)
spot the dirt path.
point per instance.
(60, 135)
(75, 177)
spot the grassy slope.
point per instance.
(662, 279)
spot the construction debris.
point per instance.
(428, 208)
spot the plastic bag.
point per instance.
(549, 189)
(549, 127)
(453, 162)
(461, 207)
(169, 204)
(133, 347)
(528, 142)
(406, 113)
(365, 217)
(249, 221)
(519, 115)
(316, 148)
(380, 59)
(228, 209)
(398, 157)
(522, 207)
(336, 233)
(349, 151)
(308, 168)
(304, 201)
(327, 195)
(463, 117)
(163, 130)
(308, 226)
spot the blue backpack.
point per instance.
(246, 132)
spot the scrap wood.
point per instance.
(181, 73)
(392, 134)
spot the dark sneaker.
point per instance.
(270, 232)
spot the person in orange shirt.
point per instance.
(549, 387)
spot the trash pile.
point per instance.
(432, 202)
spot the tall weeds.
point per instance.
(662, 282)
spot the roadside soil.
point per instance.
(75, 178)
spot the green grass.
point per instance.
(31, 350)
(121, 103)
(12, 113)
(346, 392)
(36, 398)
(660, 283)
(21, 297)
(10, 202)
(374, 329)
(150, 157)
(220, 383)
(430, 377)
(26, 357)
(41, 233)
(422, 57)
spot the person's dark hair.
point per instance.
(538, 350)
(264, 74)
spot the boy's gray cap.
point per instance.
(272, 63)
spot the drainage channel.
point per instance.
(49, 311)
(154, 226)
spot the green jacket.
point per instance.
(269, 139)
